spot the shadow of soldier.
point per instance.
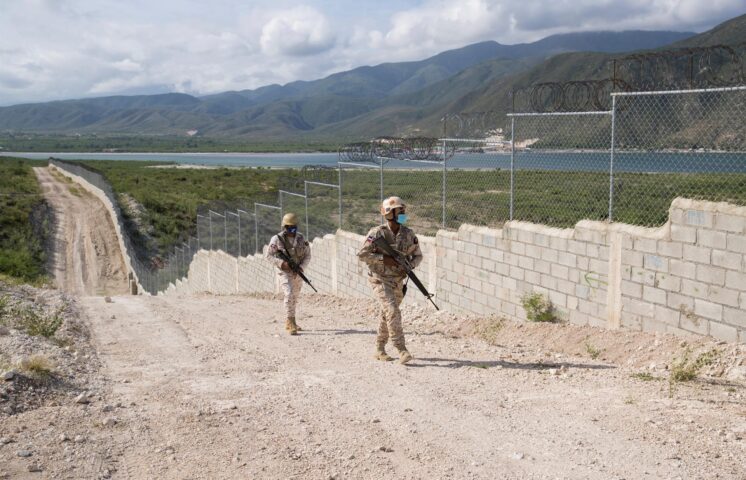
(485, 364)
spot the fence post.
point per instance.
(305, 194)
(239, 232)
(339, 182)
(512, 164)
(225, 230)
(381, 160)
(209, 216)
(444, 183)
(611, 159)
(256, 231)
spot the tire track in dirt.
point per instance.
(87, 257)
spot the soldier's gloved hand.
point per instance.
(285, 267)
(389, 261)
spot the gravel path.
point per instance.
(222, 392)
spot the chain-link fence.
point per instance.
(361, 191)
(689, 143)
(626, 164)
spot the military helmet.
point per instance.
(390, 204)
(290, 219)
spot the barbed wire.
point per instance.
(384, 149)
(683, 68)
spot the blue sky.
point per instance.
(60, 49)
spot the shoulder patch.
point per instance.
(306, 243)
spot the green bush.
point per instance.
(538, 308)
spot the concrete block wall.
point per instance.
(685, 277)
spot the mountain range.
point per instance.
(387, 99)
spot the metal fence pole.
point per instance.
(256, 231)
(209, 216)
(225, 230)
(305, 195)
(238, 214)
(340, 196)
(611, 159)
(444, 184)
(381, 159)
(512, 164)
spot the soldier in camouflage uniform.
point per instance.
(290, 241)
(387, 277)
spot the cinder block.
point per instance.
(710, 310)
(735, 316)
(592, 250)
(737, 243)
(697, 254)
(631, 321)
(583, 263)
(694, 288)
(631, 289)
(558, 243)
(534, 278)
(698, 218)
(647, 245)
(578, 318)
(670, 249)
(654, 295)
(525, 236)
(549, 282)
(598, 266)
(666, 315)
(711, 275)
(550, 255)
(568, 288)
(541, 240)
(656, 262)
(712, 238)
(542, 266)
(527, 263)
(667, 282)
(533, 251)
(517, 273)
(632, 258)
(558, 298)
(694, 323)
(577, 247)
(567, 259)
(652, 325)
(679, 302)
(518, 248)
(560, 271)
(572, 302)
(736, 280)
(683, 234)
(723, 296)
(724, 332)
(582, 291)
(497, 255)
(730, 223)
(488, 265)
(684, 269)
(637, 307)
(727, 260)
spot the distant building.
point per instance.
(192, 133)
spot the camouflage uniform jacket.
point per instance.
(405, 241)
(297, 247)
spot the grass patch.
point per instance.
(34, 323)
(686, 368)
(592, 351)
(25, 222)
(37, 366)
(644, 376)
(538, 308)
(491, 330)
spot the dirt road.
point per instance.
(218, 390)
(87, 260)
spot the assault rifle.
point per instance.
(295, 268)
(382, 245)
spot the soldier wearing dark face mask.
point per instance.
(387, 277)
(290, 241)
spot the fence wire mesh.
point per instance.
(561, 167)
(361, 190)
(477, 182)
(420, 185)
(678, 144)
(268, 219)
(323, 216)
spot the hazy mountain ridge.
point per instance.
(368, 100)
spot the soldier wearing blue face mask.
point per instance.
(291, 242)
(387, 277)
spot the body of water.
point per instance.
(688, 162)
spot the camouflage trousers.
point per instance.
(390, 295)
(291, 285)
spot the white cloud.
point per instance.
(298, 32)
(54, 49)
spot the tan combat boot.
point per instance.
(405, 357)
(291, 327)
(381, 353)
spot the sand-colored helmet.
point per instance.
(390, 204)
(290, 219)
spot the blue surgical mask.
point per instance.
(402, 218)
(291, 229)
